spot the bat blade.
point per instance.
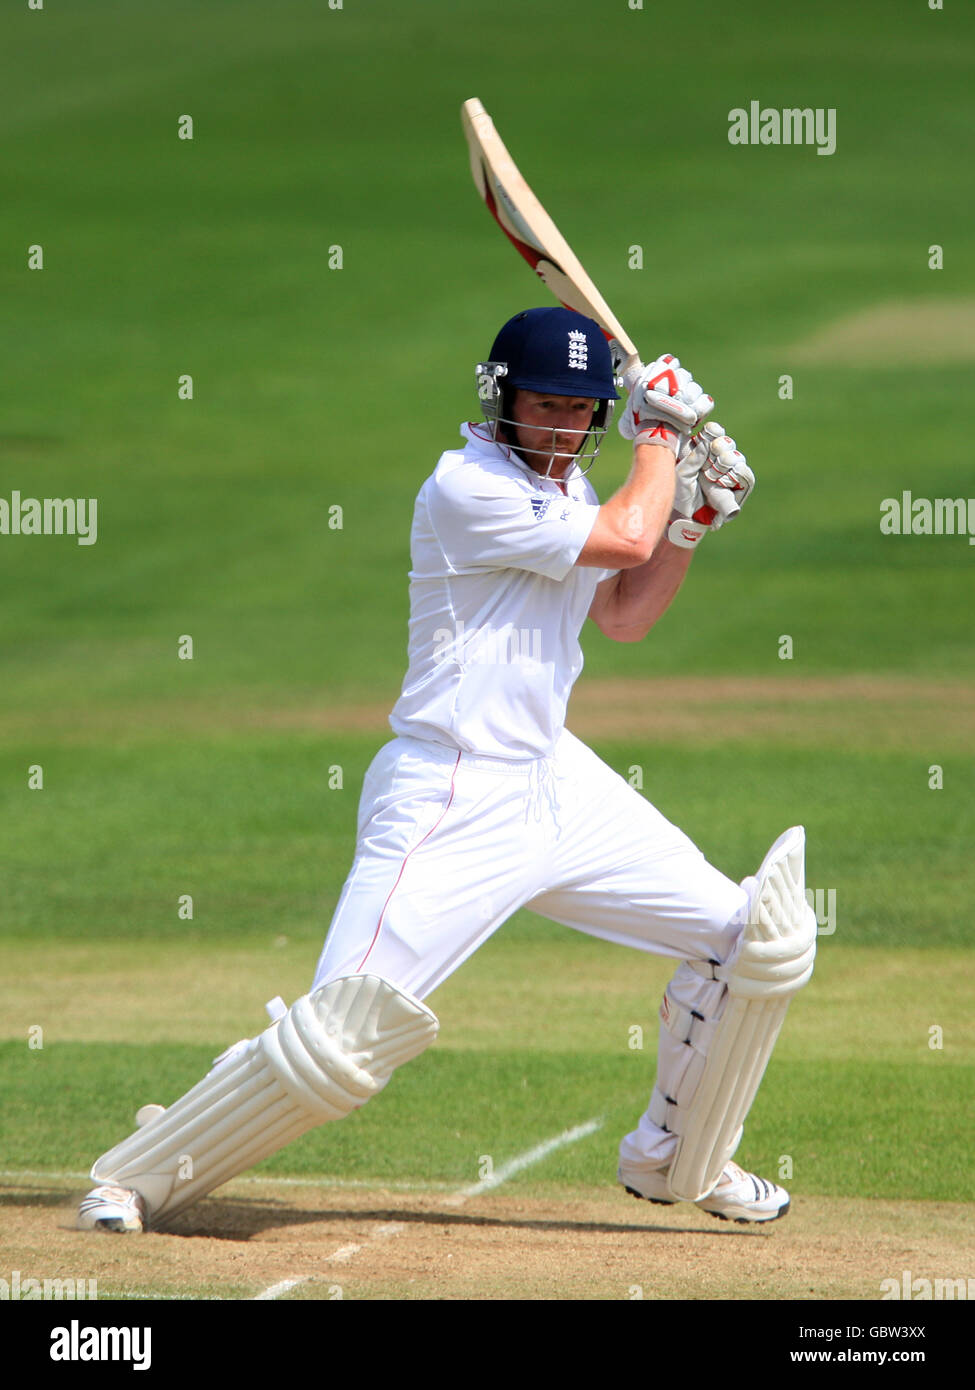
(535, 236)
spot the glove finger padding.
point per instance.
(726, 480)
(688, 495)
(665, 392)
(691, 462)
(712, 482)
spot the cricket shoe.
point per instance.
(738, 1196)
(112, 1209)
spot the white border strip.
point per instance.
(319, 1180)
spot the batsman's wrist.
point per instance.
(659, 433)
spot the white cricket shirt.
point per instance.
(496, 602)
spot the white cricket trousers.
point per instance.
(451, 844)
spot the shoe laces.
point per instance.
(732, 1172)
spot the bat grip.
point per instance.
(630, 374)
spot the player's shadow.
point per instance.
(242, 1219)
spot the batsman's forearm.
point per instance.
(644, 594)
(641, 508)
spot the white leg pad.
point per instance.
(775, 959)
(326, 1056)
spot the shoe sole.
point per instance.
(719, 1215)
(657, 1201)
(751, 1220)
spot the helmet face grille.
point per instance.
(495, 392)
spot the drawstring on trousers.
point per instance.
(541, 783)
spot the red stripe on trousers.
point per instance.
(402, 867)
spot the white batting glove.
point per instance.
(713, 482)
(664, 404)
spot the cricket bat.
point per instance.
(532, 232)
(535, 236)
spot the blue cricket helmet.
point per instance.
(556, 350)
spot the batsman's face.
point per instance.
(551, 429)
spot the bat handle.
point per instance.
(630, 372)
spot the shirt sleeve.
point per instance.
(484, 521)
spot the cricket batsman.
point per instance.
(483, 802)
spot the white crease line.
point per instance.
(276, 1290)
(342, 1255)
(525, 1160)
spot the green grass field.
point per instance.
(318, 388)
